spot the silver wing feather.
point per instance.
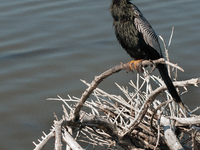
(143, 26)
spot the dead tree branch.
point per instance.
(119, 124)
(100, 78)
(128, 121)
(45, 140)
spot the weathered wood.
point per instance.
(134, 122)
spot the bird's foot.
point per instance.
(135, 65)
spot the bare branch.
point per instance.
(144, 108)
(71, 141)
(45, 140)
(169, 136)
(111, 129)
(100, 78)
(58, 143)
(186, 121)
(93, 85)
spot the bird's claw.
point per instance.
(135, 65)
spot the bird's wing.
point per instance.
(149, 35)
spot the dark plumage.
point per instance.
(138, 38)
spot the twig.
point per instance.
(112, 130)
(162, 61)
(194, 133)
(193, 110)
(45, 140)
(170, 39)
(144, 109)
(161, 105)
(70, 141)
(186, 121)
(152, 97)
(159, 117)
(58, 143)
(167, 49)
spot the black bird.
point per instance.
(138, 38)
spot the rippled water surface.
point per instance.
(47, 46)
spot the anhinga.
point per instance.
(138, 38)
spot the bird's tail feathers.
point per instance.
(172, 90)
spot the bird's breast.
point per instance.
(128, 37)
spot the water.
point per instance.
(47, 46)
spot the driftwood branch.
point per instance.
(120, 124)
(126, 122)
(153, 96)
(45, 140)
(169, 135)
(111, 129)
(100, 78)
(186, 121)
(137, 120)
(124, 136)
(58, 143)
(70, 141)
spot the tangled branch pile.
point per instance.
(136, 120)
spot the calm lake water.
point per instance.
(46, 47)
